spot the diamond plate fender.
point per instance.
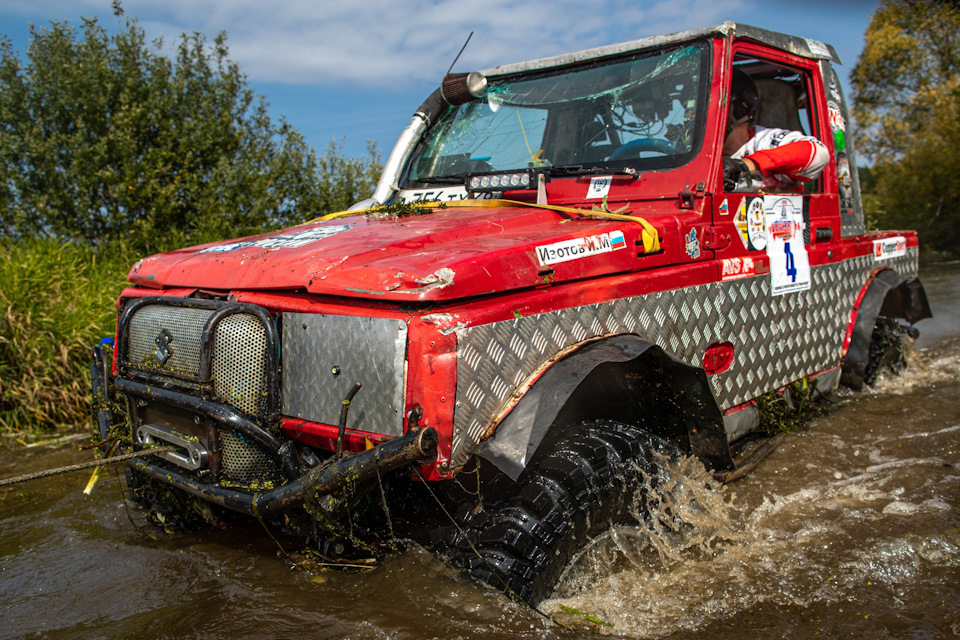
(621, 378)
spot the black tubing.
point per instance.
(416, 444)
(432, 107)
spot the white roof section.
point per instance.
(804, 47)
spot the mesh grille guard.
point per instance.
(225, 350)
(216, 361)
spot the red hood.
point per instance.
(443, 255)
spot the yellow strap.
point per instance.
(651, 239)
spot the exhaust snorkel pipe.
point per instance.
(456, 89)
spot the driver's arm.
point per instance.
(780, 152)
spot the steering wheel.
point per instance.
(634, 148)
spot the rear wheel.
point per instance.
(594, 476)
(889, 345)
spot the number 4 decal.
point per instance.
(791, 264)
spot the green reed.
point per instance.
(57, 300)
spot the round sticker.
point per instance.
(756, 224)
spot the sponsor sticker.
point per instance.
(599, 186)
(446, 194)
(783, 229)
(836, 117)
(756, 225)
(789, 263)
(736, 268)
(845, 182)
(617, 241)
(818, 49)
(740, 222)
(580, 247)
(692, 244)
(283, 241)
(889, 248)
(834, 88)
(724, 208)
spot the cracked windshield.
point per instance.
(640, 112)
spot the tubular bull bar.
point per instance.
(414, 445)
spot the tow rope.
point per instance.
(85, 465)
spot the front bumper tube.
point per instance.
(416, 444)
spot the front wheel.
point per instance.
(594, 476)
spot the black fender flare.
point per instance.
(887, 294)
(621, 377)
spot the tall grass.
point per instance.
(57, 301)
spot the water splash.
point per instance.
(686, 520)
(924, 369)
(860, 507)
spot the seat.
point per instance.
(778, 105)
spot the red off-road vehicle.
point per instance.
(557, 288)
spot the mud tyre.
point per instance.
(594, 476)
(889, 345)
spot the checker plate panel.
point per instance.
(777, 339)
(360, 349)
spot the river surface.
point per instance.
(850, 529)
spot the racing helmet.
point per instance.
(744, 99)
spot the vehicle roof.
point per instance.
(804, 47)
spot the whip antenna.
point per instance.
(461, 52)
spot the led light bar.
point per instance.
(513, 180)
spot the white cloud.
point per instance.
(385, 42)
(391, 43)
(360, 67)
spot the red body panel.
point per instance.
(471, 265)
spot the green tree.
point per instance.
(104, 137)
(907, 105)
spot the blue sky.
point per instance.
(358, 70)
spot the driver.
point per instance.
(756, 157)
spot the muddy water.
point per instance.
(850, 529)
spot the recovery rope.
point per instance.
(85, 465)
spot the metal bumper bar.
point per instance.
(417, 444)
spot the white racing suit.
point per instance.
(783, 157)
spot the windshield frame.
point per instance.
(458, 174)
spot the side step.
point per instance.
(751, 462)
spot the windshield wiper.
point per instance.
(580, 170)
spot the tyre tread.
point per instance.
(575, 491)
